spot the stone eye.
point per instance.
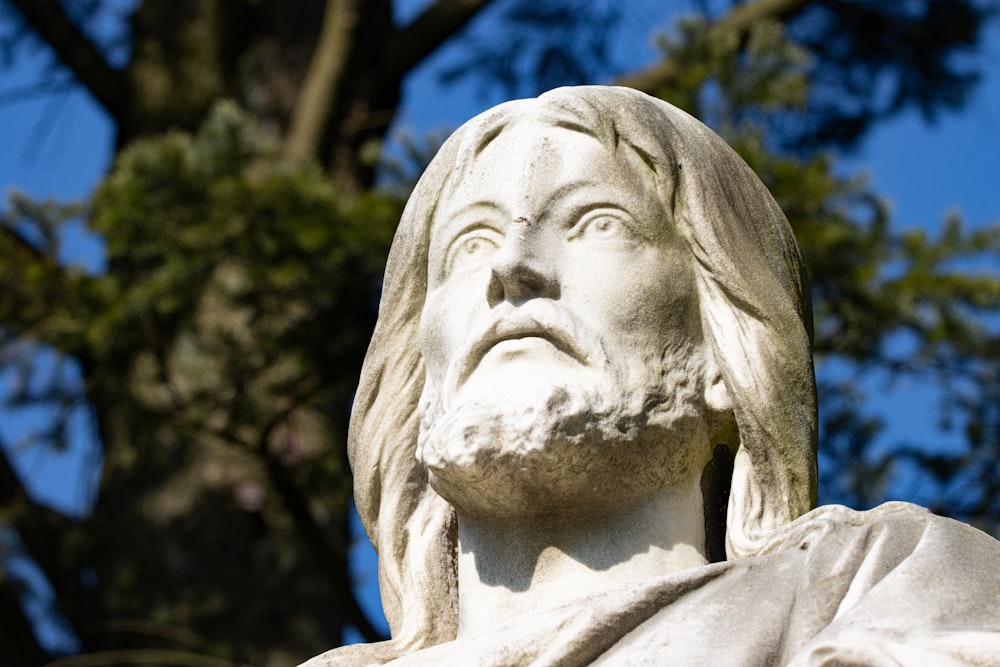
(473, 246)
(600, 225)
(603, 225)
(472, 249)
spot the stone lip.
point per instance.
(548, 324)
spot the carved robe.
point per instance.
(895, 585)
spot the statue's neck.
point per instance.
(507, 567)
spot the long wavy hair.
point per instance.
(755, 316)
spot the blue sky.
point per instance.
(59, 145)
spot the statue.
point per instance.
(594, 330)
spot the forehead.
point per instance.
(533, 148)
(528, 161)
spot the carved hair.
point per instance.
(755, 316)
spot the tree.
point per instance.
(218, 353)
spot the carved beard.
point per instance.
(568, 450)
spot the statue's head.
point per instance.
(589, 297)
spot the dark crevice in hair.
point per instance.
(708, 270)
(488, 137)
(574, 126)
(644, 156)
(716, 481)
(452, 546)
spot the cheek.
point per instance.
(666, 294)
(645, 300)
(448, 316)
(674, 303)
(433, 337)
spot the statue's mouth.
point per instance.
(527, 342)
(524, 332)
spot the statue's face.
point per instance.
(561, 306)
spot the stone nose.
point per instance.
(524, 266)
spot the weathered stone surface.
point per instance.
(594, 321)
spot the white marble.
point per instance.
(594, 321)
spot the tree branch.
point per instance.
(77, 52)
(330, 559)
(21, 306)
(322, 81)
(741, 18)
(42, 532)
(32, 286)
(17, 641)
(438, 22)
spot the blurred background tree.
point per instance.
(246, 220)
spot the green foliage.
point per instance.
(878, 59)
(726, 79)
(886, 303)
(221, 351)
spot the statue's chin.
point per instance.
(562, 453)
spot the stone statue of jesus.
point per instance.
(586, 425)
